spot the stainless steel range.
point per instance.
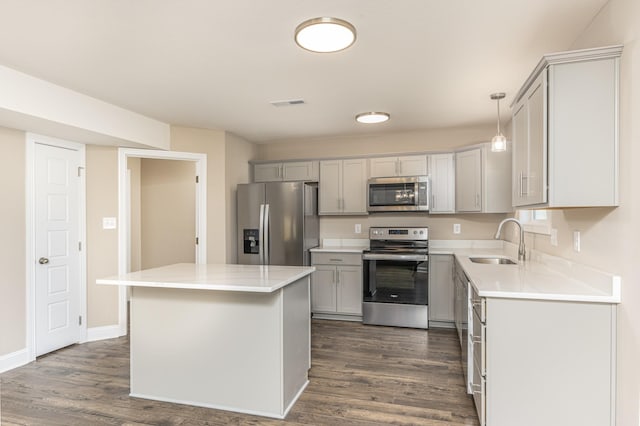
(396, 277)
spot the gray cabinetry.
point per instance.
(565, 131)
(441, 291)
(529, 344)
(408, 165)
(483, 180)
(343, 187)
(336, 285)
(443, 187)
(286, 171)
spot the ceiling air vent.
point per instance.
(288, 102)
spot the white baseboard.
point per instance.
(14, 360)
(102, 333)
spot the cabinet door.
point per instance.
(530, 146)
(349, 290)
(354, 186)
(535, 182)
(520, 153)
(441, 288)
(302, 170)
(323, 289)
(412, 165)
(270, 172)
(384, 167)
(442, 183)
(469, 180)
(330, 187)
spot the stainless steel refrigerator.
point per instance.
(277, 223)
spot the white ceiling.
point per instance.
(218, 63)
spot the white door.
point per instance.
(57, 237)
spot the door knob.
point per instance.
(43, 261)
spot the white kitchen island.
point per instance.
(230, 337)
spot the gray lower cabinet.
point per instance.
(336, 285)
(441, 291)
(540, 362)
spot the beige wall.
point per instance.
(212, 143)
(418, 141)
(479, 226)
(238, 152)
(102, 244)
(610, 237)
(168, 214)
(12, 246)
(473, 226)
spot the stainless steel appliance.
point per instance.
(396, 277)
(277, 223)
(396, 194)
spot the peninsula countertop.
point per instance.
(217, 277)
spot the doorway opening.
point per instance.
(156, 221)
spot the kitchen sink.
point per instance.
(492, 260)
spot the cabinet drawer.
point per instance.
(478, 389)
(479, 304)
(334, 258)
(479, 340)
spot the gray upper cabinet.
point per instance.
(343, 187)
(443, 188)
(565, 131)
(483, 180)
(286, 171)
(408, 165)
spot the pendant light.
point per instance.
(325, 35)
(499, 142)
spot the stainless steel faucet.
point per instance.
(521, 248)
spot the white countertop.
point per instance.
(338, 249)
(354, 245)
(543, 278)
(221, 277)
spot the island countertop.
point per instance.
(220, 277)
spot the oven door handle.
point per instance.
(407, 257)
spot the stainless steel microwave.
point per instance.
(398, 194)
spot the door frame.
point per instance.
(30, 140)
(124, 211)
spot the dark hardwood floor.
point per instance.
(360, 375)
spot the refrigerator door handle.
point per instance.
(261, 235)
(266, 234)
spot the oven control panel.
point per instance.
(404, 233)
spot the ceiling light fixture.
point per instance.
(499, 142)
(372, 117)
(325, 35)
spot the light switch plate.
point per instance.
(109, 223)
(456, 228)
(358, 228)
(576, 241)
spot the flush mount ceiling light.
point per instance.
(499, 142)
(325, 35)
(372, 117)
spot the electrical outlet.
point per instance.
(554, 237)
(456, 228)
(576, 241)
(358, 229)
(109, 223)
